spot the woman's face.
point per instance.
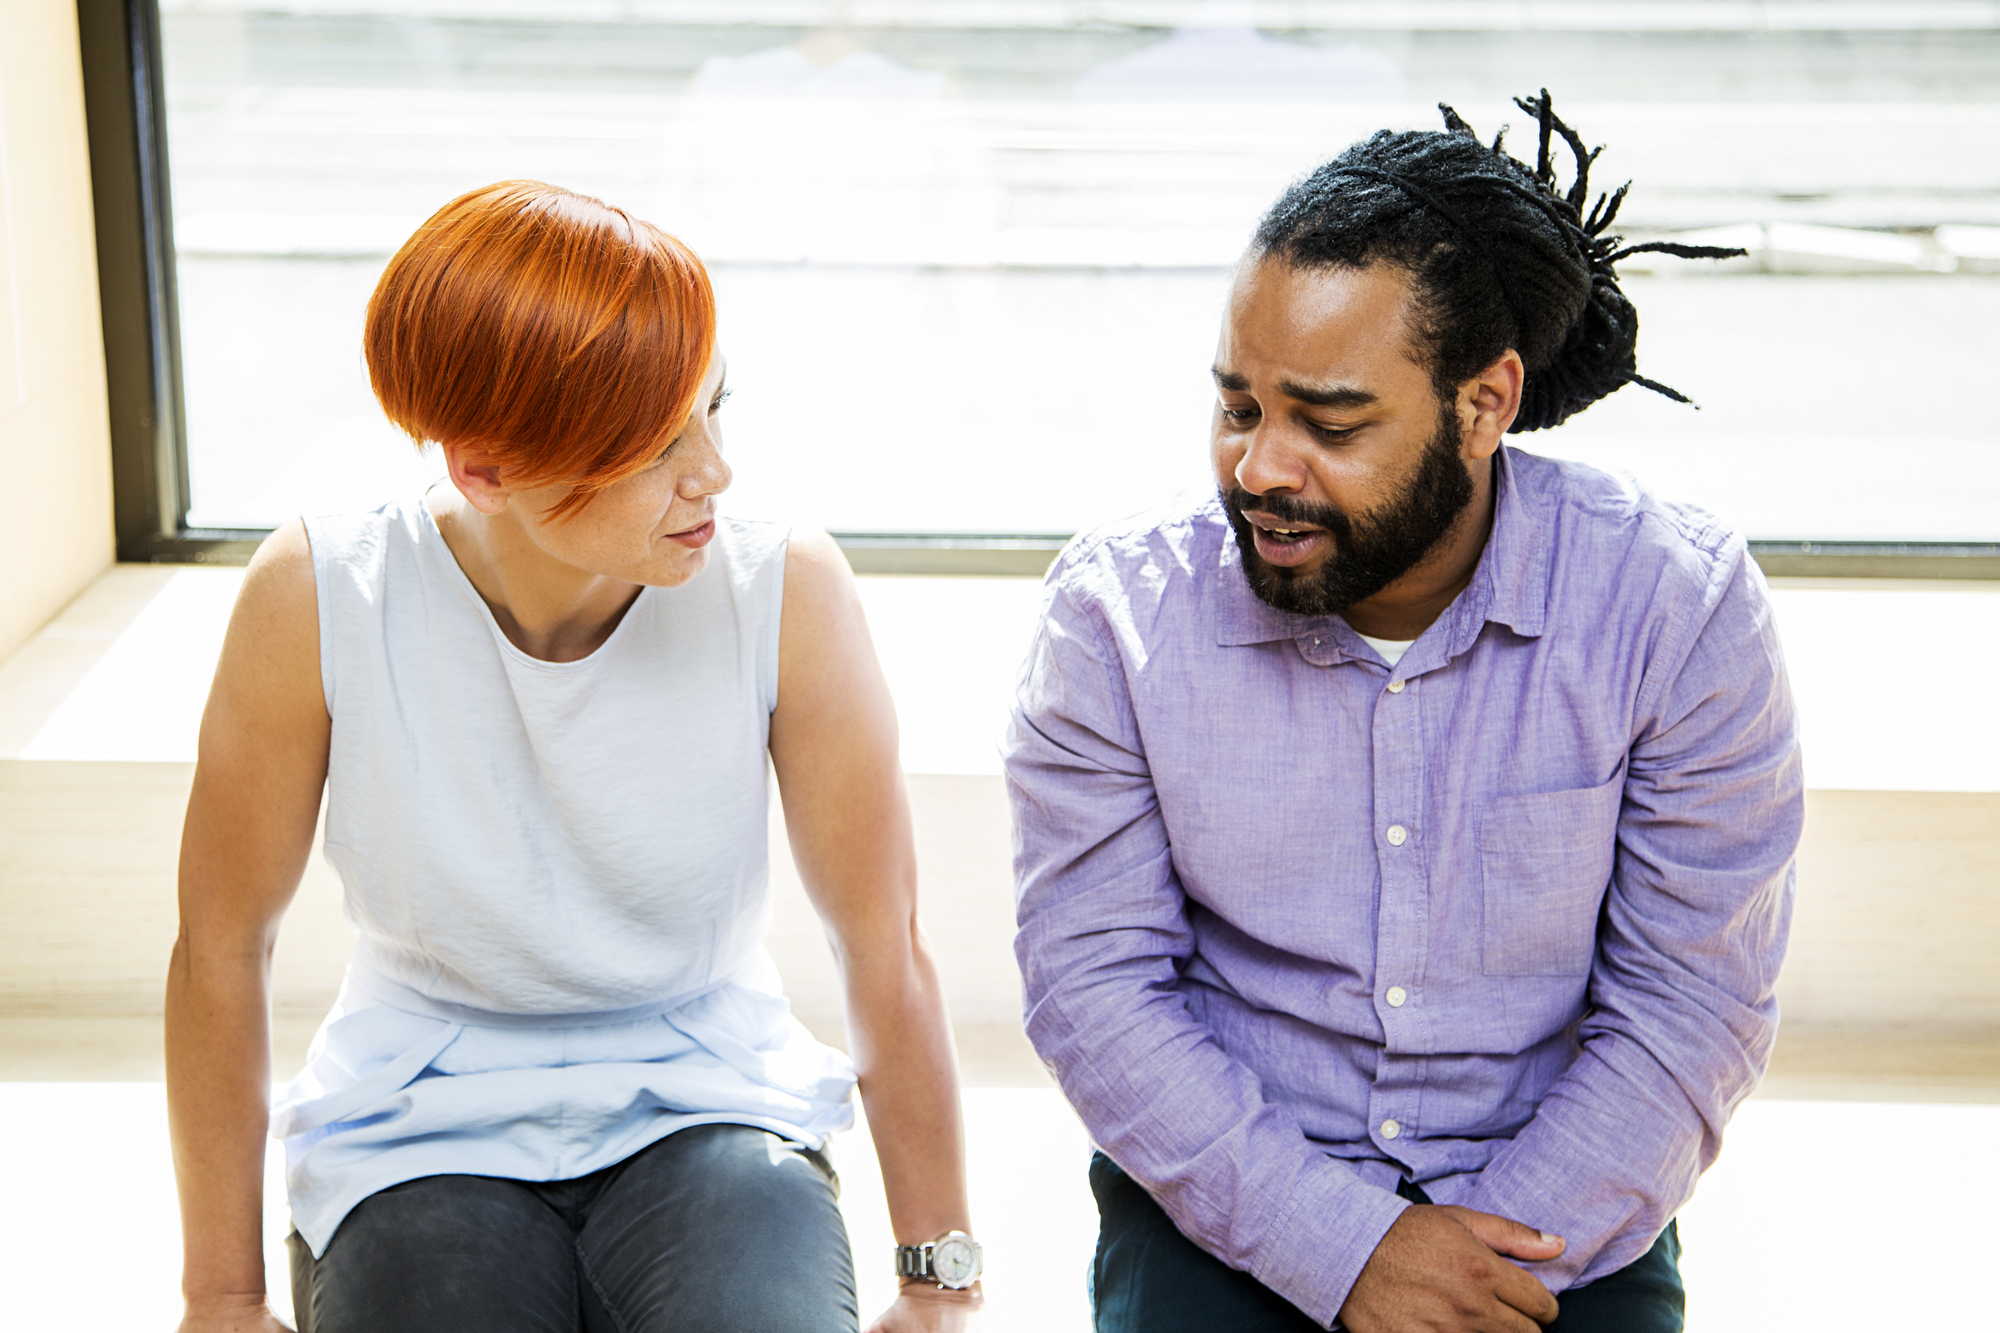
(653, 527)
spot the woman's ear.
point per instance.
(478, 481)
(1493, 400)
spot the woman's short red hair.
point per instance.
(544, 332)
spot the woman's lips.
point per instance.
(694, 538)
(1274, 549)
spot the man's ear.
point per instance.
(1492, 399)
(477, 480)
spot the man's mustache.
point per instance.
(1288, 509)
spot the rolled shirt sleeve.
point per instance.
(1104, 934)
(1681, 1013)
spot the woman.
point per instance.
(560, 1088)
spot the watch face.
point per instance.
(955, 1261)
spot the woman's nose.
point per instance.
(711, 473)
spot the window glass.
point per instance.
(971, 256)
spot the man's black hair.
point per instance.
(1496, 256)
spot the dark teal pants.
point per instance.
(1149, 1278)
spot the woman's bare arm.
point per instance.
(249, 829)
(834, 743)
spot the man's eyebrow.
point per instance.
(1327, 395)
(1319, 395)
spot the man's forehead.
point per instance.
(1376, 290)
(1331, 336)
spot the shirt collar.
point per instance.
(1510, 586)
(1512, 580)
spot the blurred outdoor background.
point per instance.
(970, 253)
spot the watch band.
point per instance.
(913, 1260)
(920, 1261)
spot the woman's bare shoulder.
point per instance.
(823, 644)
(813, 552)
(819, 587)
(270, 656)
(280, 592)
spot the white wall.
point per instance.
(55, 452)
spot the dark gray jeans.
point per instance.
(715, 1229)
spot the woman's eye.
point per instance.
(715, 404)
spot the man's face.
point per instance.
(1338, 465)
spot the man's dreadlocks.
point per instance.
(1497, 257)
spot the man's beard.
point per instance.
(1368, 553)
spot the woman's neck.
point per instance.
(547, 608)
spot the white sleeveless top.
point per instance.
(556, 872)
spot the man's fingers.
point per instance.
(1505, 1236)
(1525, 1294)
(1506, 1319)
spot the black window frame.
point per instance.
(124, 108)
(124, 100)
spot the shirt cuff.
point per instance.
(1325, 1235)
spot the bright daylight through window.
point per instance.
(970, 256)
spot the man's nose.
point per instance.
(1268, 465)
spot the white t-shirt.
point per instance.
(1392, 650)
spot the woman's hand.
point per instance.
(233, 1315)
(923, 1308)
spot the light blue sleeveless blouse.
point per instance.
(557, 875)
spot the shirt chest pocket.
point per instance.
(1544, 863)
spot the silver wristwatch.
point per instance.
(953, 1260)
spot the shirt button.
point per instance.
(1398, 835)
(1395, 996)
(1395, 687)
(1390, 1129)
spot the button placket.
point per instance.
(1400, 807)
(1399, 765)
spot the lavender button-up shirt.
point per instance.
(1503, 919)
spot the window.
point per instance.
(971, 255)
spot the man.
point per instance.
(1405, 836)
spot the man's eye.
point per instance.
(1238, 413)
